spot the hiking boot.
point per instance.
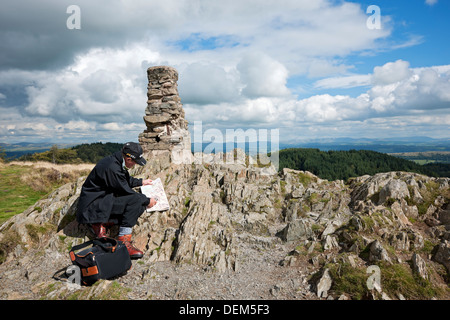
(134, 252)
(99, 229)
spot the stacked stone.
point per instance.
(167, 128)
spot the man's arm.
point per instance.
(120, 182)
(139, 182)
(134, 182)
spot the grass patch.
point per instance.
(36, 231)
(395, 279)
(349, 280)
(304, 178)
(15, 194)
(114, 291)
(101, 290)
(399, 278)
(10, 240)
(23, 184)
(430, 194)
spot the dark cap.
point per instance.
(134, 151)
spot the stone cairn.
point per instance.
(167, 129)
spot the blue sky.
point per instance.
(312, 69)
(418, 29)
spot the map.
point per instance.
(156, 191)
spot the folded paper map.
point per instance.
(156, 191)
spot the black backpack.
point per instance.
(106, 258)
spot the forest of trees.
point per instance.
(332, 165)
(329, 165)
(94, 152)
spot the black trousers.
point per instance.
(127, 209)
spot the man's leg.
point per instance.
(130, 208)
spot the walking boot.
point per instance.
(99, 230)
(134, 252)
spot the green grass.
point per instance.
(395, 279)
(399, 278)
(15, 195)
(423, 161)
(22, 185)
(349, 280)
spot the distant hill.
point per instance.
(387, 145)
(425, 157)
(83, 153)
(332, 165)
(16, 150)
(94, 152)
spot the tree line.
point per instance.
(329, 165)
(333, 165)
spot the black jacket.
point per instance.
(107, 180)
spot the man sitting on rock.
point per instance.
(107, 194)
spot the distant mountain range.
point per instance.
(392, 145)
(15, 150)
(386, 145)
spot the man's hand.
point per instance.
(146, 182)
(152, 203)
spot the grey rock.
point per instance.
(297, 230)
(442, 254)
(395, 189)
(378, 253)
(444, 216)
(324, 284)
(419, 266)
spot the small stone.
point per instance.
(419, 266)
(324, 284)
(378, 253)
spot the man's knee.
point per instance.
(133, 210)
(129, 199)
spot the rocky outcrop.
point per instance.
(223, 214)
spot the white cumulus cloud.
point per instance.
(235, 60)
(391, 72)
(263, 76)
